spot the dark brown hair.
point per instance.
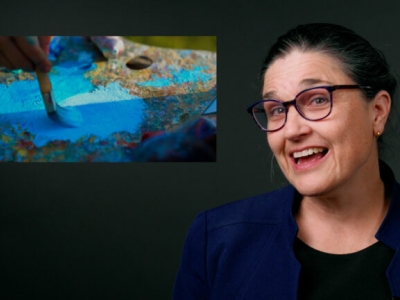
(363, 63)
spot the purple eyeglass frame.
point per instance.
(286, 104)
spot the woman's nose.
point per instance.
(296, 126)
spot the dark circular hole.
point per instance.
(139, 62)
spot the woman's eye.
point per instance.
(319, 101)
(276, 111)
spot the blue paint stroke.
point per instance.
(22, 104)
(20, 96)
(67, 80)
(25, 95)
(105, 110)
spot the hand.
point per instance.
(110, 46)
(25, 52)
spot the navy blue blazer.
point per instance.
(244, 249)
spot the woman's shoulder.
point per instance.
(268, 208)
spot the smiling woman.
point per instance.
(338, 133)
(333, 233)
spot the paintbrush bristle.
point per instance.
(66, 116)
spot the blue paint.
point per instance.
(25, 95)
(156, 82)
(179, 77)
(59, 43)
(105, 110)
(55, 48)
(69, 81)
(84, 62)
(212, 108)
(20, 96)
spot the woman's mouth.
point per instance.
(309, 155)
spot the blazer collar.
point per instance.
(389, 232)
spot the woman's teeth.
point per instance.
(307, 152)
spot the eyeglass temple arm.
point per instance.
(251, 109)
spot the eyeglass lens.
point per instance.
(313, 104)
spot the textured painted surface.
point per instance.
(105, 110)
(118, 105)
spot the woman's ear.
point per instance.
(381, 109)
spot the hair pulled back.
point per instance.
(363, 63)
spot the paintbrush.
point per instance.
(65, 116)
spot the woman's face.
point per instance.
(346, 137)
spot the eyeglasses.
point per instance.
(312, 104)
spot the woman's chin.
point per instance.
(311, 187)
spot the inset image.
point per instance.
(108, 99)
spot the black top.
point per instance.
(359, 275)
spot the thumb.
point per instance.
(110, 46)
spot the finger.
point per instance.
(29, 45)
(110, 46)
(44, 42)
(4, 62)
(13, 54)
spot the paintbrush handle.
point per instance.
(44, 85)
(43, 78)
(44, 82)
(46, 91)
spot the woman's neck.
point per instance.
(345, 220)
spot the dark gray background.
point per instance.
(80, 231)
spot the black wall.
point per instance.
(80, 231)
